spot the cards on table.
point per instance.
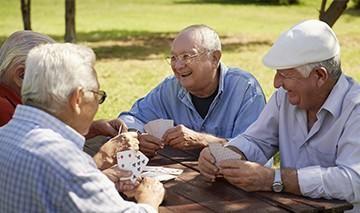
(161, 173)
(132, 160)
(221, 153)
(158, 127)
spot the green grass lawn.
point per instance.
(132, 37)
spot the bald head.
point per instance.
(203, 37)
(14, 50)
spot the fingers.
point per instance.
(118, 125)
(231, 172)
(175, 137)
(126, 141)
(107, 128)
(150, 144)
(206, 165)
(233, 163)
(115, 174)
(171, 134)
(122, 126)
(177, 143)
(126, 185)
(150, 191)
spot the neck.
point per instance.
(208, 89)
(319, 101)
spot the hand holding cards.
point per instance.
(221, 153)
(132, 160)
(158, 127)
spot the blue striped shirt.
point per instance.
(43, 169)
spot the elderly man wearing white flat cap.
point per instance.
(313, 119)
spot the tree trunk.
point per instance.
(70, 35)
(25, 12)
(331, 15)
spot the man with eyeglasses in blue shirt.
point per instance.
(207, 100)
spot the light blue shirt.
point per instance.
(237, 104)
(43, 169)
(327, 157)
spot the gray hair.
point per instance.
(52, 73)
(14, 50)
(332, 65)
(209, 38)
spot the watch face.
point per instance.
(277, 187)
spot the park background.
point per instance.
(131, 38)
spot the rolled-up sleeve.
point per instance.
(343, 180)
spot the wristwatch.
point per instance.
(277, 185)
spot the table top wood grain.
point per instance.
(190, 192)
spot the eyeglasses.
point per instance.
(100, 95)
(185, 58)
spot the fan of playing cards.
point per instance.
(135, 161)
(221, 153)
(132, 160)
(158, 127)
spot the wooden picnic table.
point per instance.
(191, 192)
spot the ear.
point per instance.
(19, 75)
(76, 99)
(321, 74)
(215, 57)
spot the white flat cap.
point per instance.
(307, 42)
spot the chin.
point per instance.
(186, 84)
(294, 102)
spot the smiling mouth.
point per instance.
(185, 75)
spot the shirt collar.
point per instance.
(336, 96)
(46, 120)
(223, 69)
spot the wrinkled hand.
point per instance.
(106, 128)
(181, 137)
(149, 191)
(247, 175)
(116, 175)
(207, 165)
(149, 144)
(107, 152)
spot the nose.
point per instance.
(178, 64)
(278, 80)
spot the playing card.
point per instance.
(158, 176)
(221, 153)
(132, 160)
(158, 127)
(164, 170)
